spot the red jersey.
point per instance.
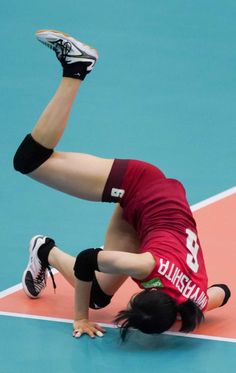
(158, 210)
(180, 269)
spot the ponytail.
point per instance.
(149, 311)
(191, 316)
(152, 311)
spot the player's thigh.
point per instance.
(120, 236)
(81, 175)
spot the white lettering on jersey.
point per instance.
(193, 248)
(182, 282)
(163, 267)
(118, 193)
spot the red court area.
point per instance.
(217, 232)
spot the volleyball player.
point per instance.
(152, 236)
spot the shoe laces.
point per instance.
(62, 49)
(52, 278)
(40, 280)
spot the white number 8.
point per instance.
(193, 247)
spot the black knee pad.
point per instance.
(30, 155)
(98, 299)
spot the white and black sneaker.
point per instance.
(77, 59)
(34, 278)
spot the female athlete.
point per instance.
(152, 236)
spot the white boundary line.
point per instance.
(112, 326)
(10, 290)
(202, 336)
(28, 316)
(213, 199)
(15, 288)
(47, 318)
(195, 207)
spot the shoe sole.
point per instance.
(84, 47)
(31, 246)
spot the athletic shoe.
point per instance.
(34, 278)
(77, 59)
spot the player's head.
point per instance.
(154, 311)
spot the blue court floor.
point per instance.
(163, 91)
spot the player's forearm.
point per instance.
(82, 298)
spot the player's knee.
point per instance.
(30, 155)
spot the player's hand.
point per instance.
(85, 327)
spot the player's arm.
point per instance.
(82, 325)
(114, 262)
(138, 266)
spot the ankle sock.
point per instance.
(77, 70)
(44, 251)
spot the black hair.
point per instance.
(153, 311)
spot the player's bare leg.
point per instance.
(120, 236)
(80, 175)
(45, 254)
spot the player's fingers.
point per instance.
(77, 333)
(100, 328)
(99, 334)
(90, 331)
